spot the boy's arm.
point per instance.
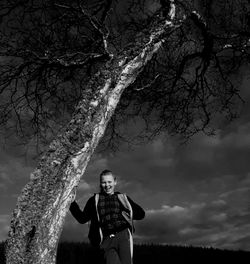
(81, 216)
(138, 212)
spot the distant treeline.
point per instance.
(79, 253)
(2, 258)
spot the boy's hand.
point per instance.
(73, 194)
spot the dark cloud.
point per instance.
(196, 224)
(73, 231)
(195, 194)
(4, 224)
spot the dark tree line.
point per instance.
(74, 253)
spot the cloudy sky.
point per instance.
(194, 194)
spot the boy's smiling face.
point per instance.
(108, 183)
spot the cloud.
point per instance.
(237, 191)
(210, 164)
(208, 212)
(97, 163)
(238, 137)
(193, 194)
(162, 225)
(198, 224)
(73, 231)
(151, 165)
(231, 237)
(84, 186)
(4, 223)
(5, 177)
(213, 223)
(13, 168)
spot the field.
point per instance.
(80, 253)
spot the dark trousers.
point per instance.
(118, 249)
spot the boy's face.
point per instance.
(107, 183)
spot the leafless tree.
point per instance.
(68, 68)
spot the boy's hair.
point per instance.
(106, 172)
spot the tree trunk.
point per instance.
(41, 208)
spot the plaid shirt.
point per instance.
(110, 212)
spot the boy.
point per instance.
(111, 216)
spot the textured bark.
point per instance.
(41, 208)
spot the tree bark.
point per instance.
(41, 208)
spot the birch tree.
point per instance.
(93, 61)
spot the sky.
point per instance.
(194, 194)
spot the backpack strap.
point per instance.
(128, 216)
(98, 217)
